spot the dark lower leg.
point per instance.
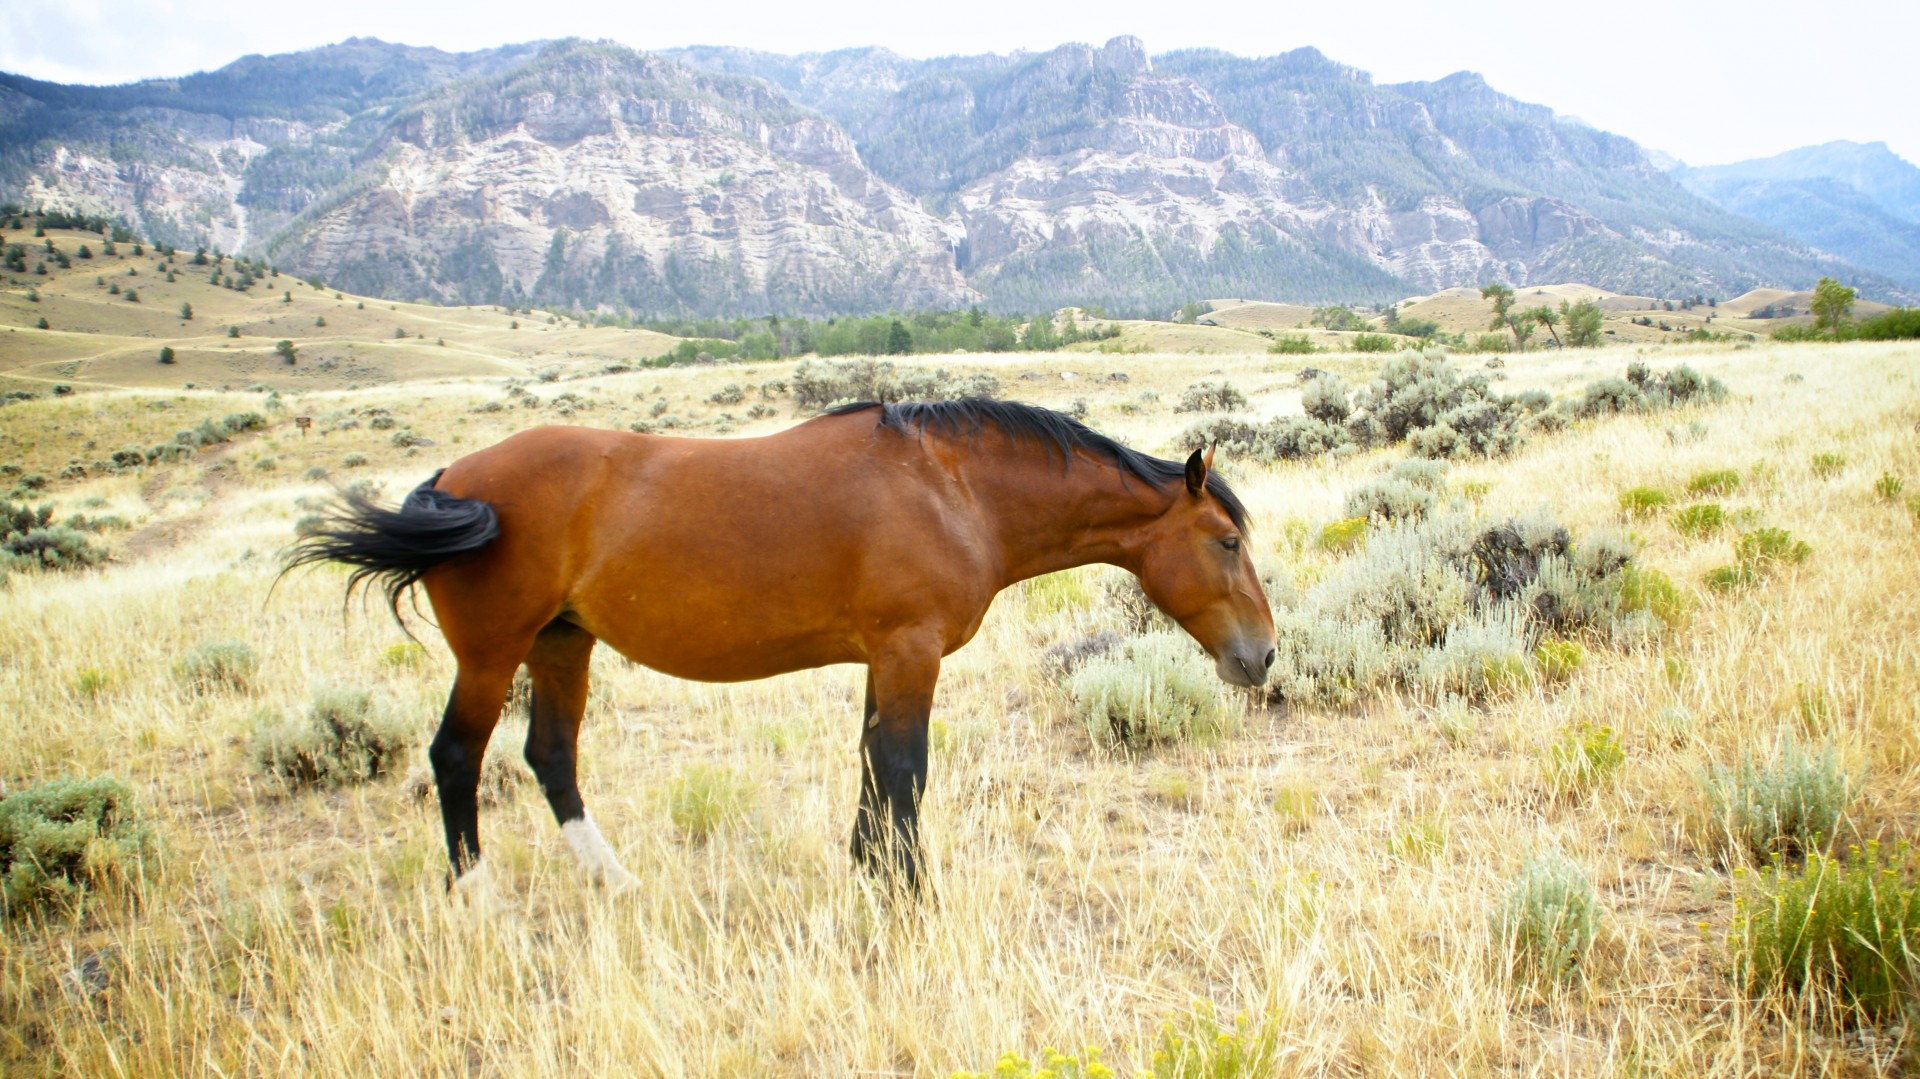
(456, 754)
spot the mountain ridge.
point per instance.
(710, 180)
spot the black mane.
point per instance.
(1056, 432)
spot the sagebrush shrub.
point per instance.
(64, 838)
(1790, 802)
(1407, 492)
(1211, 397)
(818, 384)
(1326, 399)
(1549, 920)
(1153, 688)
(217, 665)
(342, 738)
(1851, 929)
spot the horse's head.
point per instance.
(1197, 567)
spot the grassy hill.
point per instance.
(97, 336)
(1330, 872)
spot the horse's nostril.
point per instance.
(1268, 662)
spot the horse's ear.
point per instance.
(1197, 471)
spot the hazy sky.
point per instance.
(1709, 81)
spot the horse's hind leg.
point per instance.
(473, 708)
(558, 667)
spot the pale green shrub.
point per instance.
(1549, 920)
(1791, 802)
(64, 838)
(343, 738)
(217, 665)
(1153, 688)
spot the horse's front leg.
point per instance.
(893, 758)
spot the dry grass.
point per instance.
(1329, 875)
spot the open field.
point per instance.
(1328, 874)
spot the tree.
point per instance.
(233, 331)
(1583, 323)
(1502, 298)
(1544, 316)
(166, 354)
(1832, 303)
(286, 351)
(186, 312)
(899, 339)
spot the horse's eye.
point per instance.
(1231, 543)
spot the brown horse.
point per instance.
(876, 534)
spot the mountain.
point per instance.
(727, 181)
(1858, 201)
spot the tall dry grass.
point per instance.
(1331, 876)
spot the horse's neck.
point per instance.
(1048, 518)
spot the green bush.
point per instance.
(1549, 920)
(66, 837)
(1153, 688)
(1827, 465)
(1211, 397)
(1723, 481)
(1852, 930)
(1789, 803)
(1764, 548)
(217, 665)
(1292, 344)
(1644, 588)
(1197, 1046)
(1640, 502)
(1050, 1063)
(343, 738)
(1373, 342)
(1557, 660)
(29, 539)
(1889, 487)
(703, 798)
(1700, 519)
(1343, 535)
(1584, 756)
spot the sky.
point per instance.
(1708, 81)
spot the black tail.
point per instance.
(395, 548)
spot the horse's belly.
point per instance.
(728, 643)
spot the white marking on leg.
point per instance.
(475, 886)
(596, 856)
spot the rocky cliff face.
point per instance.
(608, 178)
(709, 181)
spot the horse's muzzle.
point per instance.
(1245, 665)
